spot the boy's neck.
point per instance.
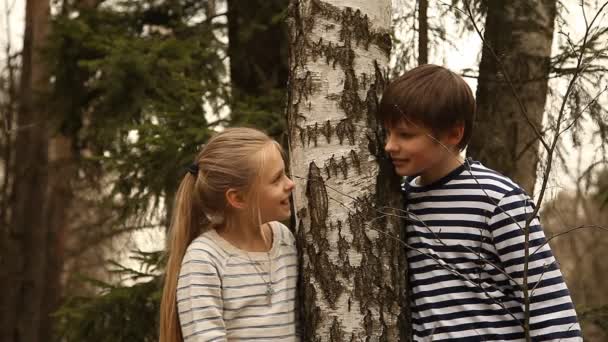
(442, 169)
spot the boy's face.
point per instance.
(415, 150)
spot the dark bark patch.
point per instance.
(317, 196)
(323, 269)
(312, 131)
(327, 131)
(336, 332)
(354, 157)
(346, 129)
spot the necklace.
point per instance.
(269, 289)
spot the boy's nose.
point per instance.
(390, 146)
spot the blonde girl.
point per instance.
(232, 267)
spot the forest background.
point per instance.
(103, 102)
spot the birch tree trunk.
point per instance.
(521, 33)
(352, 267)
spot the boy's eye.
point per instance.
(400, 134)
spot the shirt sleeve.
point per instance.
(199, 298)
(552, 314)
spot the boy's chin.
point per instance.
(402, 172)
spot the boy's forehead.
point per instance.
(404, 123)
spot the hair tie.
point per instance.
(193, 169)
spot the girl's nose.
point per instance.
(290, 184)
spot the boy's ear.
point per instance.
(235, 199)
(454, 134)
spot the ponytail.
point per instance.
(227, 161)
(185, 227)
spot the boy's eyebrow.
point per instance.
(401, 127)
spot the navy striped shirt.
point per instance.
(221, 290)
(466, 262)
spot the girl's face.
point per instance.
(274, 188)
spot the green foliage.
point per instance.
(263, 112)
(119, 312)
(139, 86)
(596, 315)
(136, 84)
(258, 64)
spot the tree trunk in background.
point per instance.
(423, 32)
(520, 33)
(23, 265)
(353, 277)
(61, 177)
(63, 158)
(8, 108)
(258, 62)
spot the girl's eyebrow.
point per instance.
(278, 174)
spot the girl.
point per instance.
(232, 268)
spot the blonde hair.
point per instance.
(233, 159)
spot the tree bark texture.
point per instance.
(62, 173)
(423, 32)
(23, 265)
(352, 266)
(520, 33)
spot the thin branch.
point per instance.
(587, 226)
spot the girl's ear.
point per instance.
(235, 199)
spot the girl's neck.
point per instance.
(246, 236)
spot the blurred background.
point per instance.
(104, 102)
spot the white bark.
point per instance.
(338, 49)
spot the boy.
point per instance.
(465, 224)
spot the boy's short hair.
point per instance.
(430, 95)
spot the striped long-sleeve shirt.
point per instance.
(221, 291)
(466, 262)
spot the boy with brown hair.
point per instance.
(465, 224)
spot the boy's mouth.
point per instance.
(399, 160)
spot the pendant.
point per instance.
(269, 293)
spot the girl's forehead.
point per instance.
(270, 158)
(272, 151)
